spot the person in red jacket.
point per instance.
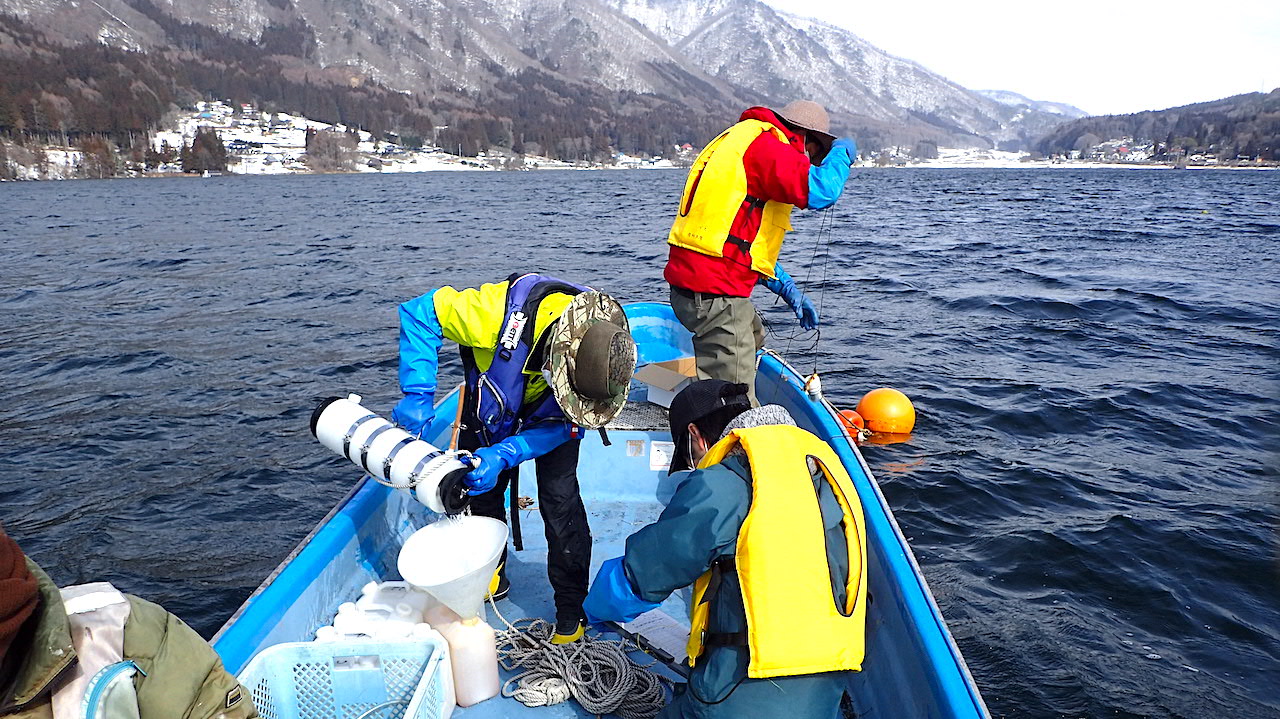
(733, 215)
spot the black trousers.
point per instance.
(563, 516)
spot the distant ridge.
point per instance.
(1241, 126)
(1005, 97)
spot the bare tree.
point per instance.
(331, 151)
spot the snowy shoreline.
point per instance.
(259, 143)
(474, 166)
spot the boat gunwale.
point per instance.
(293, 554)
(840, 440)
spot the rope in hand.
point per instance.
(821, 242)
(824, 236)
(598, 673)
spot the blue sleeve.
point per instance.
(612, 597)
(420, 341)
(700, 524)
(826, 181)
(533, 442)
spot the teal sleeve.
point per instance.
(826, 181)
(700, 523)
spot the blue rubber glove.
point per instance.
(420, 339)
(826, 181)
(848, 145)
(415, 412)
(612, 598)
(485, 476)
(783, 286)
(514, 450)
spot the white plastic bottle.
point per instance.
(352, 621)
(396, 600)
(473, 652)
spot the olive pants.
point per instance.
(726, 334)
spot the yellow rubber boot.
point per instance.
(499, 587)
(563, 635)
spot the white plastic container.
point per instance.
(372, 619)
(395, 600)
(473, 655)
(353, 622)
(380, 632)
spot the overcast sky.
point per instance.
(1103, 56)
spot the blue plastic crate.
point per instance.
(346, 680)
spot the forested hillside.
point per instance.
(56, 92)
(1243, 126)
(53, 92)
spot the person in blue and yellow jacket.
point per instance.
(543, 359)
(769, 532)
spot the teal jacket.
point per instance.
(700, 524)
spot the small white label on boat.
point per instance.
(635, 448)
(660, 454)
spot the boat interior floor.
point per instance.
(530, 597)
(611, 520)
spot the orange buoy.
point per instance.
(852, 421)
(887, 410)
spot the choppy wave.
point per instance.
(1090, 488)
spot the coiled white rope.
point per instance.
(598, 673)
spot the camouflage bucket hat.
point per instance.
(591, 356)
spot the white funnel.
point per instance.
(453, 560)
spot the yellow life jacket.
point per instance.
(793, 623)
(718, 180)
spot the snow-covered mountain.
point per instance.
(679, 65)
(784, 56)
(1006, 97)
(758, 48)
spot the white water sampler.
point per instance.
(392, 455)
(453, 560)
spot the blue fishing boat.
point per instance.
(913, 668)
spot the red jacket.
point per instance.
(775, 171)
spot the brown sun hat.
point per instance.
(591, 356)
(810, 117)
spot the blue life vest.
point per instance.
(495, 397)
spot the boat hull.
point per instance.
(912, 669)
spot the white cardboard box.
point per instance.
(664, 380)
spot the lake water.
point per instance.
(1091, 488)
